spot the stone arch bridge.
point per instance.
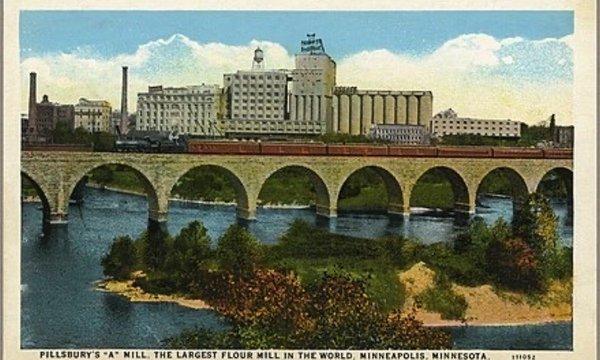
(56, 174)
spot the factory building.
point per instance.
(185, 110)
(313, 84)
(92, 115)
(448, 123)
(356, 111)
(400, 134)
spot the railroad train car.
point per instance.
(321, 149)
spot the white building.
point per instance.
(400, 134)
(192, 110)
(448, 123)
(92, 115)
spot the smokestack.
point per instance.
(124, 126)
(32, 97)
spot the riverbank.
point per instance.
(486, 306)
(127, 289)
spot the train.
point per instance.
(322, 149)
(206, 147)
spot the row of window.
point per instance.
(176, 97)
(258, 116)
(458, 128)
(475, 122)
(167, 114)
(236, 107)
(252, 93)
(259, 86)
(173, 106)
(255, 77)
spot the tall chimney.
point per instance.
(124, 126)
(32, 105)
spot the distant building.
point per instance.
(400, 134)
(448, 123)
(48, 114)
(564, 136)
(189, 110)
(313, 85)
(92, 115)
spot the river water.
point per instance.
(62, 309)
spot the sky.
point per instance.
(501, 64)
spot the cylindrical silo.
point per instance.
(390, 110)
(413, 110)
(293, 108)
(401, 110)
(300, 108)
(316, 108)
(425, 109)
(378, 109)
(367, 111)
(355, 115)
(335, 117)
(344, 114)
(307, 108)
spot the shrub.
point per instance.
(442, 299)
(345, 316)
(121, 258)
(303, 240)
(404, 331)
(200, 338)
(514, 264)
(189, 254)
(238, 251)
(560, 263)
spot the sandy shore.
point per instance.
(135, 294)
(489, 306)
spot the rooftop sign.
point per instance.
(312, 45)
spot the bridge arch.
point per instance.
(390, 181)
(463, 201)
(246, 208)
(42, 193)
(516, 188)
(563, 174)
(323, 201)
(154, 207)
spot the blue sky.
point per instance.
(414, 32)
(500, 64)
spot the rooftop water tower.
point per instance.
(258, 60)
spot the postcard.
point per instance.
(345, 181)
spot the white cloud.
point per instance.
(476, 74)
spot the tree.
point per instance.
(190, 250)
(155, 248)
(238, 251)
(536, 223)
(515, 264)
(103, 141)
(62, 134)
(120, 259)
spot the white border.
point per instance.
(585, 120)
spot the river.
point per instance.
(62, 309)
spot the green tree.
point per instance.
(81, 136)
(514, 264)
(120, 259)
(238, 251)
(62, 134)
(155, 248)
(536, 223)
(103, 141)
(189, 253)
